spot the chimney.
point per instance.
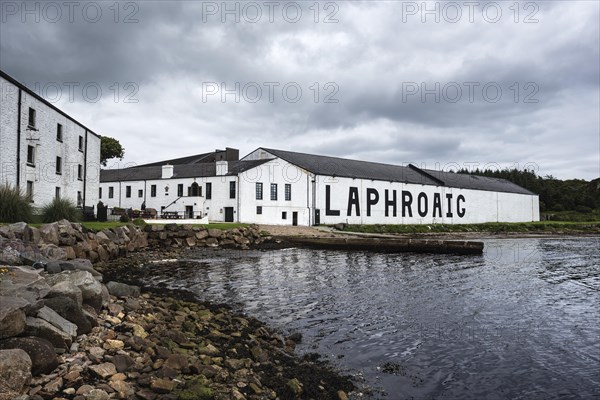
(167, 171)
(222, 167)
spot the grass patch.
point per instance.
(491, 227)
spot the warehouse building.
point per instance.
(270, 186)
(44, 151)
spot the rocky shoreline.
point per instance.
(64, 334)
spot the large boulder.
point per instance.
(51, 316)
(91, 289)
(12, 316)
(24, 282)
(67, 308)
(43, 329)
(41, 352)
(118, 289)
(49, 233)
(65, 289)
(15, 373)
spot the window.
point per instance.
(284, 215)
(259, 210)
(208, 190)
(79, 199)
(59, 132)
(31, 155)
(80, 172)
(153, 191)
(80, 143)
(57, 192)
(111, 192)
(58, 166)
(180, 190)
(259, 191)
(31, 121)
(195, 190)
(99, 193)
(288, 191)
(273, 191)
(232, 190)
(140, 193)
(30, 191)
(127, 191)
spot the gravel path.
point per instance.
(286, 230)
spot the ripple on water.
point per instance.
(521, 321)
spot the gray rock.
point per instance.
(24, 282)
(10, 250)
(215, 233)
(65, 289)
(49, 233)
(15, 373)
(41, 352)
(51, 316)
(53, 267)
(18, 229)
(91, 289)
(53, 252)
(12, 316)
(71, 311)
(43, 329)
(122, 290)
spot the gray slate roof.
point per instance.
(342, 167)
(179, 171)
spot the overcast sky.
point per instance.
(494, 83)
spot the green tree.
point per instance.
(110, 148)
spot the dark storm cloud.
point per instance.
(357, 79)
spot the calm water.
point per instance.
(520, 322)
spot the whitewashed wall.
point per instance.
(213, 207)
(47, 148)
(279, 172)
(479, 206)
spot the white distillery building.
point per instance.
(43, 151)
(271, 186)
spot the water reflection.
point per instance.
(521, 321)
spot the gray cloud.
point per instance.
(370, 58)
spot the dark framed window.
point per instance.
(57, 192)
(127, 191)
(100, 193)
(31, 155)
(180, 190)
(31, 120)
(140, 193)
(288, 191)
(259, 191)
(80, 143)
(259, 209)
(232, 190)
(30, 191)
(80, 172)
(273, 191)
(153, 191)
(111, 192)
(284, 215)
(58, 166)
(59, 132)
(208, 190)
(195, 190)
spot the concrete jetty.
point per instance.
(386, 245)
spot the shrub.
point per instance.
(14, 205)
(61, 209)
(139, 222)
(124, 218)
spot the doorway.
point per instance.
(295, 218)
(228, 214)
(189, 212)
